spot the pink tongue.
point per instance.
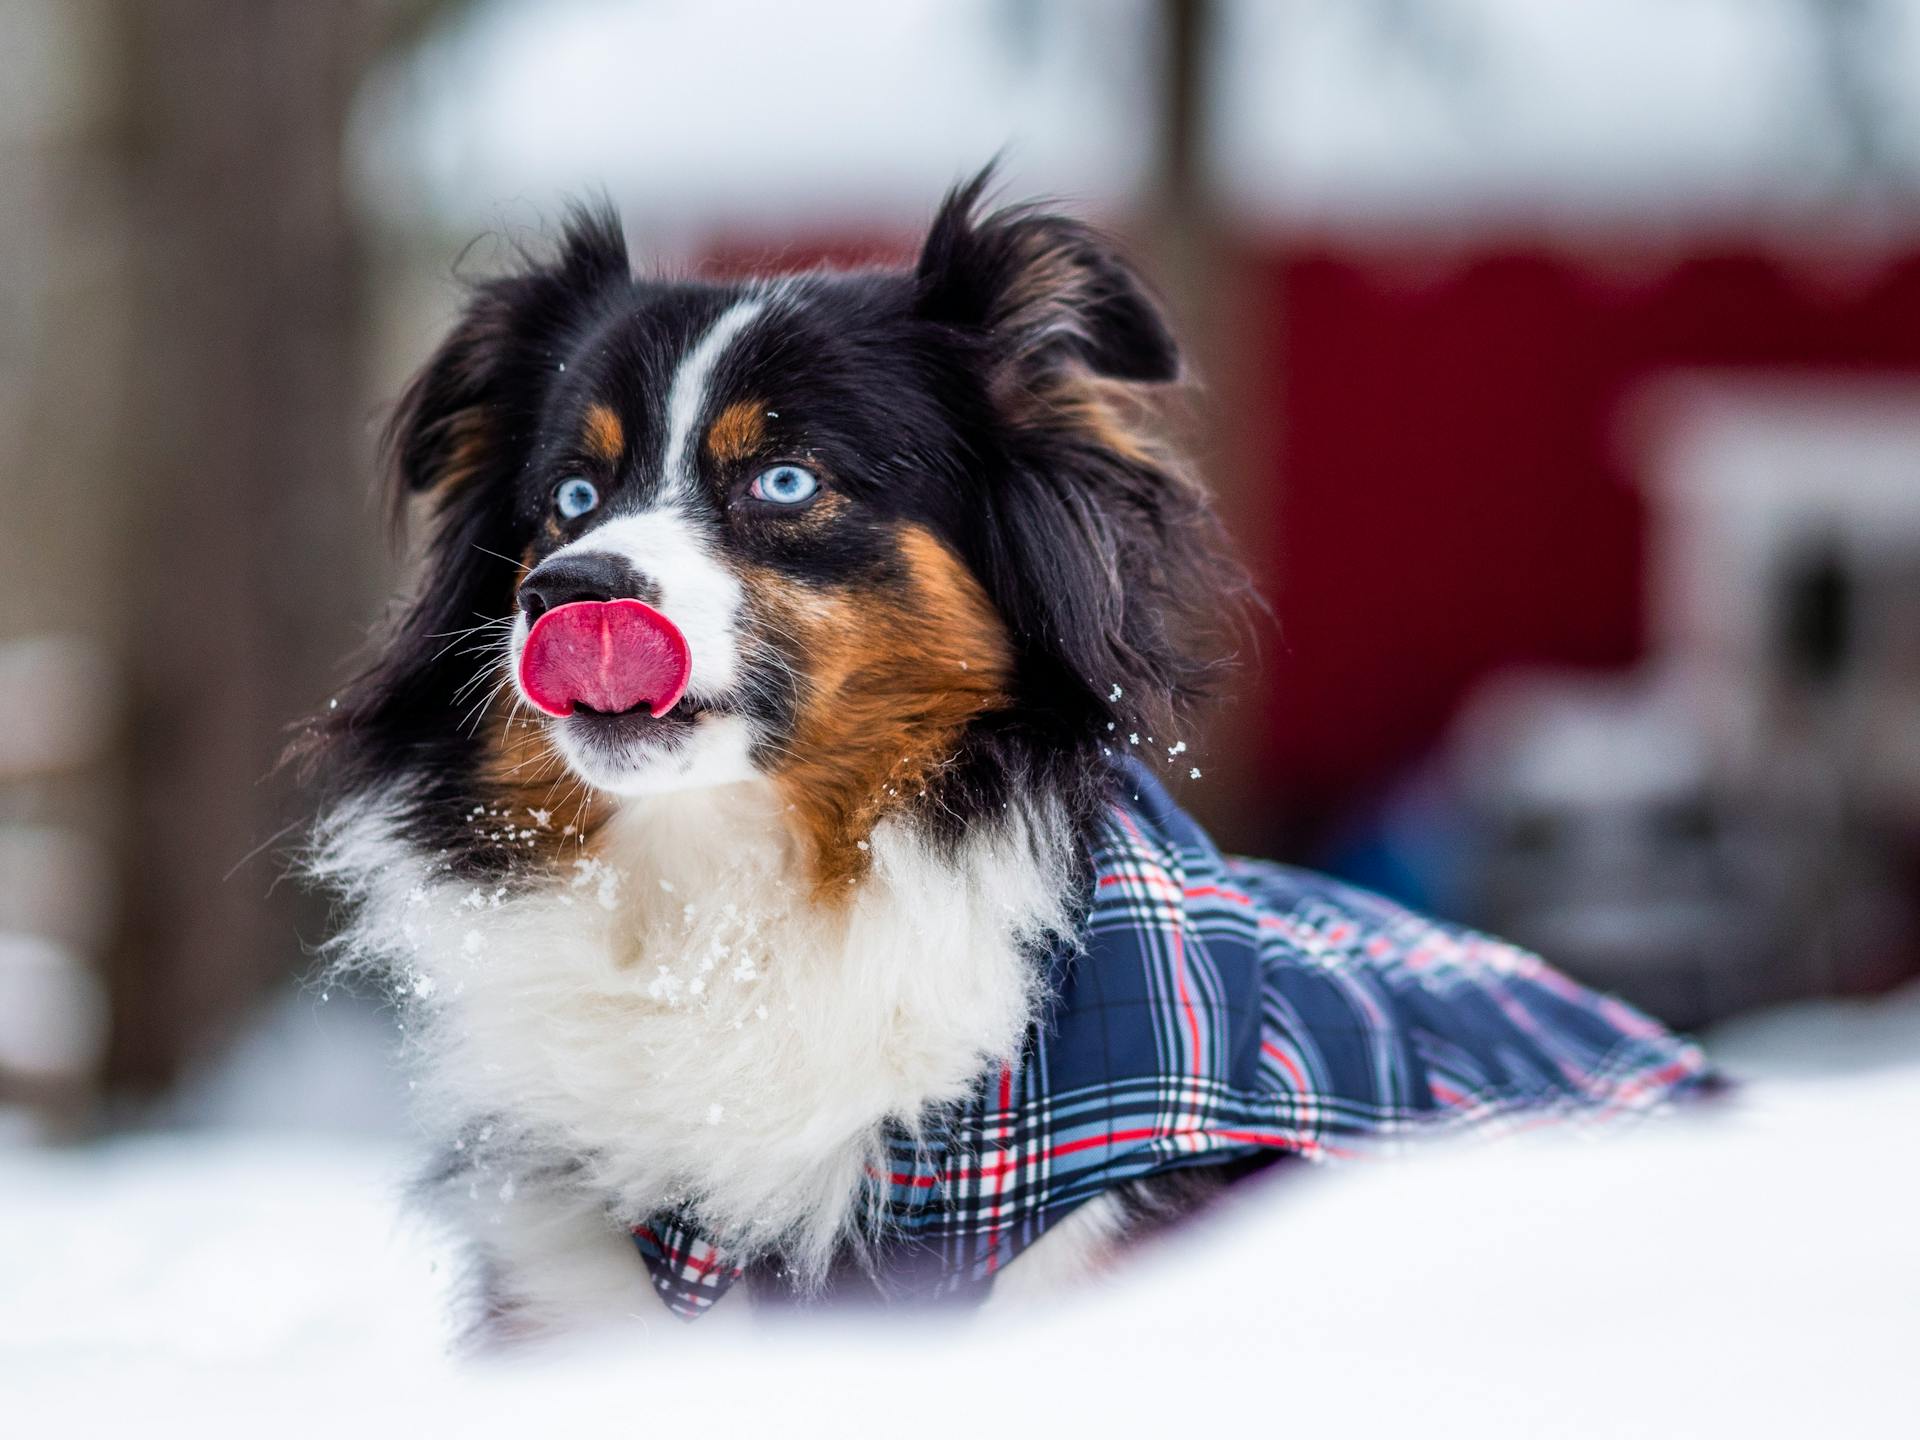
(609, 655)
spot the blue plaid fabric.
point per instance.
(1216, 1010)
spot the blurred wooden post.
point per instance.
(1193, 261)
(250, 539)
(59, 721)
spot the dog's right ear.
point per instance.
(477, 398)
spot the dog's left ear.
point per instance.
(1041, 289)
(1095, 544)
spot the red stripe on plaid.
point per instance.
(1218, 892)
(1196, 1054)
(1000, 1175)
(997, 1167)
(1176, 933)
(699, 1264)
(1306, 1105)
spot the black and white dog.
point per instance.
(719, 791)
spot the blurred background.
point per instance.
(1560, 378)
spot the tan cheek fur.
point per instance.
(892, 680)
(537, 808)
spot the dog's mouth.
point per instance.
(619, 660)
(611, 677)
(638, 726)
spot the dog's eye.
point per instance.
(574, 498)
(785, 485)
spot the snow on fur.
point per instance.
(674, 1019)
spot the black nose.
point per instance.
(567, 579)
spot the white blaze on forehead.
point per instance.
(687, 397)
(696, 589)
(692, 586)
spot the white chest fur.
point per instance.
(684, 1020)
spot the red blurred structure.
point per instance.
(1444, 429)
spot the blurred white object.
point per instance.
(1734, 822)
(1752, 480)
(59, 705)
(742, 115)
(1751, 1269)
(169, 1252)
(1823, 1038)
(1579, 739)
(1482, 113)
(53, 1011)
(57, 882)
(1607, 840)
(312, 1060)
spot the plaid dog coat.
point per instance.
(1214, 1010)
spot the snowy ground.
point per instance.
(1756, 1272)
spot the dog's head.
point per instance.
(898, 539)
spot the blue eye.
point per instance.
(575, 498)
(785, 485)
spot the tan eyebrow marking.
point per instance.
(603, 434)
(737, 431)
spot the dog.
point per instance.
(764, 802)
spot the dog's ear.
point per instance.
(1042, 289)
(460, 414)
(1094, 541)
(462, 432)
